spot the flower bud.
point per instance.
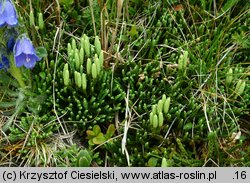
(77, 59)
(166, 105)
(97, 63)
(78, 79)
(229, 77)
(180, 63)
(32, 19)
(164, 98)
(40, 21)
(240, 86)
(160, 119)
(155, 121)
(82, 42)
(98, 46)
(69, 49)
(159, 106)
(94, 71)
(85, 104)
(84, 82)
(154, 109)
(89, 66)
(73, 44)
(164, 162)
(185, 59)
(81, 56)
(86, 45)
(66, 74)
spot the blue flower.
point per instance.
(25, 53)
(4, 63)
(8, 15)
(10, 44)
(10, 35)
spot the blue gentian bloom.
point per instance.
(8, 15)
(10, 44)
(10, 35)
(4, 63)
(25, 53)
